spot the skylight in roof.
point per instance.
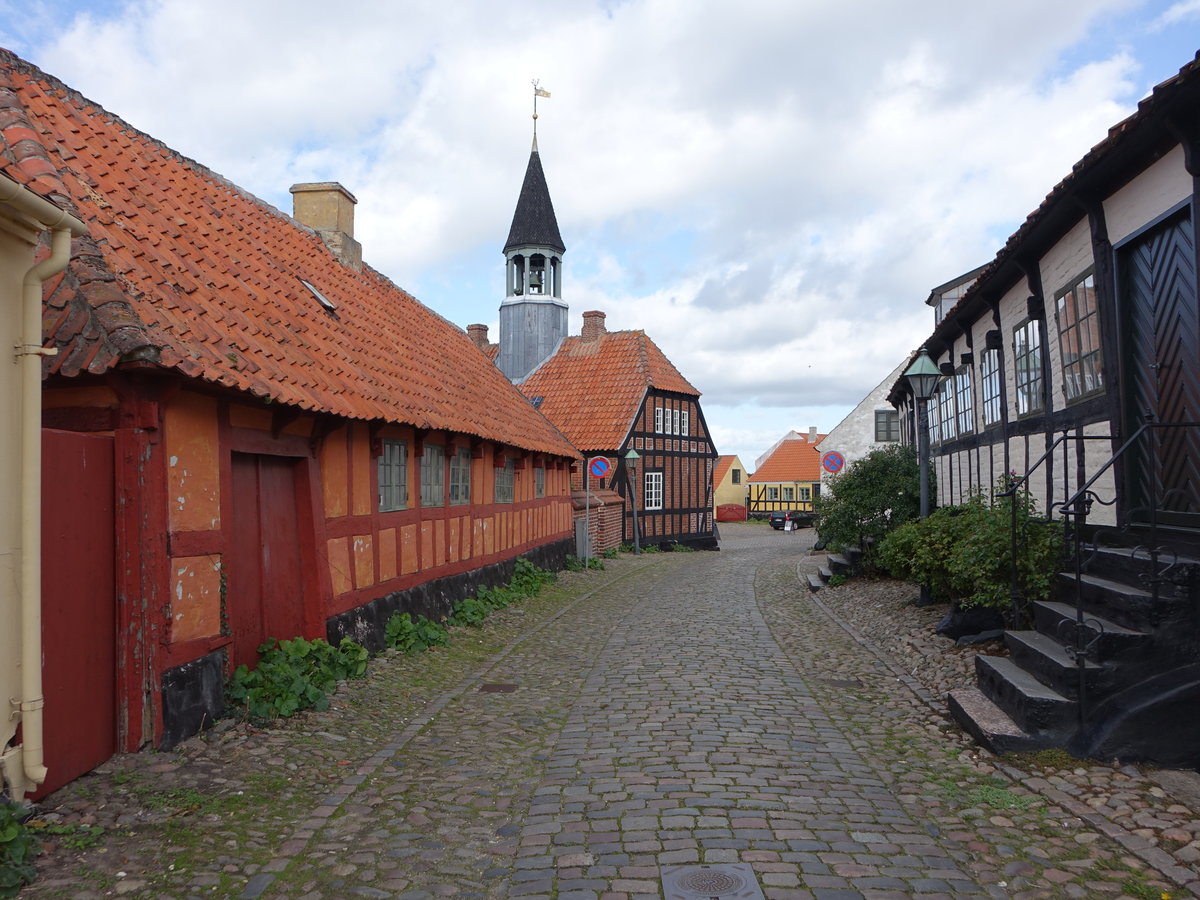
(327, 304)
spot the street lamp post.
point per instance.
(631, 459)
(923, 377)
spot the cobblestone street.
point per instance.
(689, 708)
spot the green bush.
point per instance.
(414, 635)
(964, 554)
(873, 496)
(17, 850)
(294, 675)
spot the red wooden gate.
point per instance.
(265, 585)
(78, 604)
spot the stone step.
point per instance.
(839, 565)
(1107, 637)
(1036, 708)
(824, 572)
(1049, 661)
(815, 582)
(989, 724)
(1124, 604)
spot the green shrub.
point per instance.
(294, 675)
(964, 554)
(414, 635)
(873, 496)
(610, 553)
(17, 850)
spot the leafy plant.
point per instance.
(870, 498)
(964, 554)
(17, 850)
(611, 553)
(294, 675)
(414, 635)
(71, 835)
(837, 580)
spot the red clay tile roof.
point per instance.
(792, 461)
(723, 465)
(593, 389)
(183, 268)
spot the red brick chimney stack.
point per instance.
(593, 325)
(478, 335)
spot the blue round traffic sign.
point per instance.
(832, 462)
(598, 467)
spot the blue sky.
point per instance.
(768, 188)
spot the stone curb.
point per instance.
(1155, 857)
(294, 846)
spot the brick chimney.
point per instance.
(478, 335)
(328, 208)
(593, 325)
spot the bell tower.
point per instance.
(533, 316)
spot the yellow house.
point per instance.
(790, 478)
(730, 483)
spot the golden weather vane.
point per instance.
(537, 92)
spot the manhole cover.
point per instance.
(841, 682)
(726, 881)
(497, 688)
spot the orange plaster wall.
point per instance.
(408, 549)
(455, 549)
(364, 560)
(249, 417)
(339, 565)
(426, 544)
(193, 474)
(387, 554)
(195, 597)
(360, 465)
(334, 473)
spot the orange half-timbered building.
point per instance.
(247, 434)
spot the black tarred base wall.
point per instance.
(435, 599)
(193, 698)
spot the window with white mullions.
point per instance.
(433, 475)
(393, 476)
(653, 496)
(964, 400)
(460, 477)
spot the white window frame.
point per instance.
(433, 476)
(393, 475)
(964, 400)
(1027, 368)
(460, 477)
(687, 426)
(652, 494)
(676, 417)
(506, 481)
(658, 420)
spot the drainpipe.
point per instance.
(29, 354)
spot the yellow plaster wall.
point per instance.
(193, 473)
(364, 560)
(195, 597)
(360, 466)
(387, 554)
(339, 565)
(408, 549)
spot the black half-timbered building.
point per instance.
(1072, 366)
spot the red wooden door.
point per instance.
(265, 584)
(78, 605)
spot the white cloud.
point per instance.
(768, 188)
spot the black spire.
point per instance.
(534, 221)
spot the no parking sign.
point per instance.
(832, 462)
(598, 467)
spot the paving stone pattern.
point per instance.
(698, 711)
(689, 708)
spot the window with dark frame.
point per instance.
(944, 399)
(887, 425)
(393, 476)
(1027, 367)
(433, 475)
(989, 383)
(539, 481)
(737, 476)
(1079, 339)
(964, 400)
(460, 477)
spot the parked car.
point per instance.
(798, 519)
